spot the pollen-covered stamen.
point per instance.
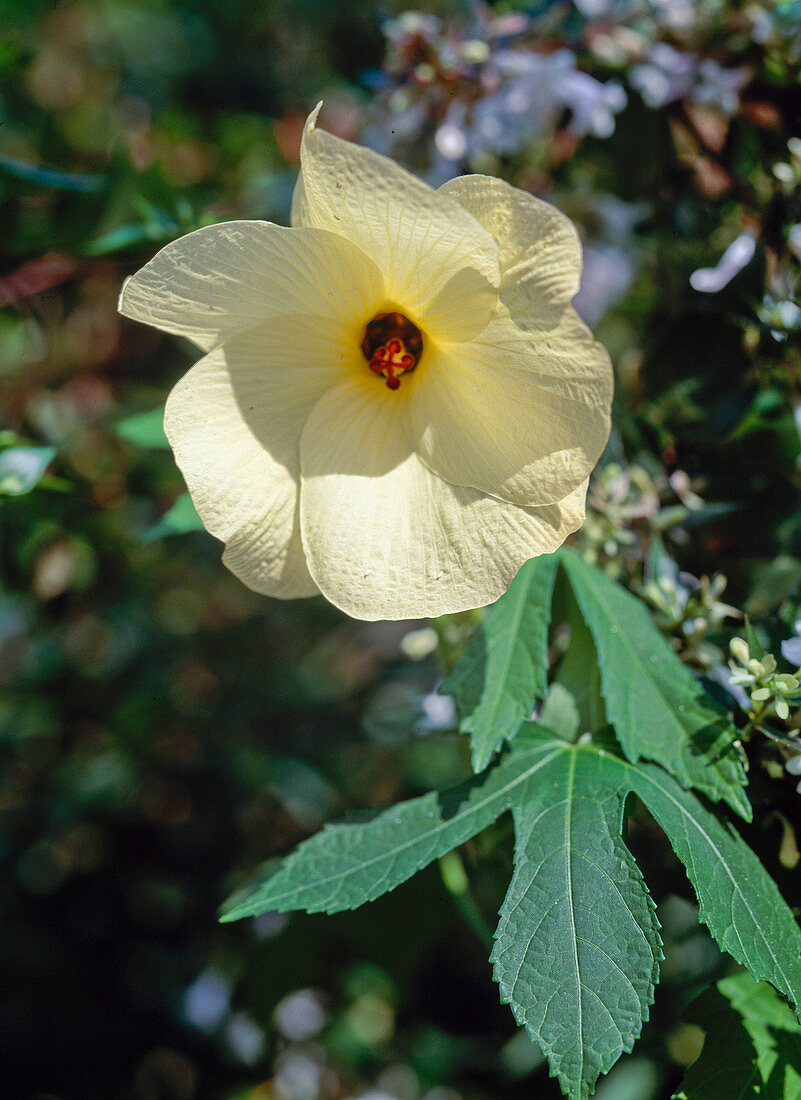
(392, 346)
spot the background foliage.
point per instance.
(164, 731)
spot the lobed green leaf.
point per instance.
(738, 900)
(752, 1046)
(657, 706)
(504, 670)
(354, 861)
(577, 949)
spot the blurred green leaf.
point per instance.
(504, 669)
(634, 1079)
(773, 582)
(144, 429)
(9, 54)
(761, 413)
(51, 177)
(11, 439)
(578, 673)
(707, 513)
(752, 1047)
(561, 713)
(22, 468)
(129, 236)
(179, 520)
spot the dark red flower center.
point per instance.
(392, 346)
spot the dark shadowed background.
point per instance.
(164, 730)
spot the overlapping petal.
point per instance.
(427, 245)
(224, 278)
(234, 422)
(522, 416)
(538, 247)
(387, 538)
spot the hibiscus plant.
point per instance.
(399, 407)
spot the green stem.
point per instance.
(755, 719)
(456, 882)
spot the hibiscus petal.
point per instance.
(523, 417)
(462, 308)
(224, 278)
(234, 422)
(299, 211)
(420, 238)
(538, 247)
(385, 538)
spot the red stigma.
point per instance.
(392, 345)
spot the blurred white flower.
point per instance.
(783, 316)
(451, 141)
(678, 15)
(245, 1038)
(794, 240)
(793, 767)
(410, 25)
(298, 1075)
(520, 102)
(269, 924)
(593, 104)
(439, 713)
(609, 257)
(605, 277)
(791, 648)
(460, 96)
(300, 1015)
(207, 1000)
(665, 76)
(533, 91)
(593, 9)
(709, 280)
(419, 644)
(668, 74)
(718, 87)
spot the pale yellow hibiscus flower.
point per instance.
(398, 405)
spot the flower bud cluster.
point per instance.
(767, 689)
(687, 608)
(629, 510)
(622, 501)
